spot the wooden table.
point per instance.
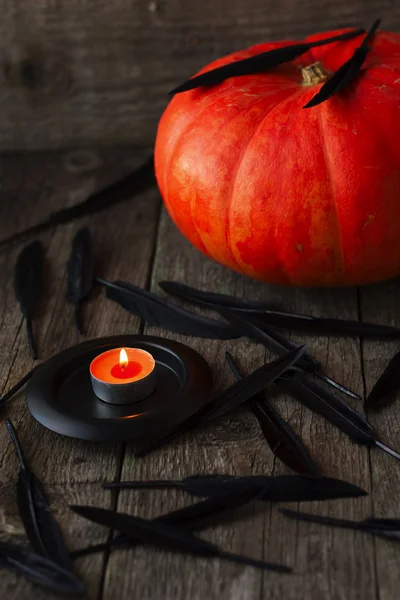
(138, 242)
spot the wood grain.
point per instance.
(70, 469)
(87, 73)
(327, 563)
(380, 304)
(332, 564)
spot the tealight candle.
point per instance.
(123, 375)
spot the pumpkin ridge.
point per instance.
(295, 92)
(169, 160)
(212, 100)
(379, 81)
(216, 96)
(193, 201)
(388, 87)
(224, 95)
(230, 194)
(330, 170)
(383, 140)
(322, 53)
(285, 270)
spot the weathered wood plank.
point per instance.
(335, 564)
(124, 239)
(81, 73)
(380, 304)
(332, 564)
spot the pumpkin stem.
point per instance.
(313, 74)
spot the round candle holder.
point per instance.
(61, 397)
(113, 390)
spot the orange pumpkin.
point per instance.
(285, 195)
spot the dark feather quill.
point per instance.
(230, 399)
(158, 312)
(270, 338)
(277, 343)
(128, 187)
(333, 409)
(209, 299)
(374, 526)
(80, 269)
(386, 387)
(41, 528)
(20, 384)
(327, 326)
(282, 488)
(387, 534)
(39, 569)
(285, 320)
(210, 511)
(168, 537)
(379, 523)
(28, 284)
(284, 443)
(259, 63)
(347, 72)
(192, 517)
(246, 387)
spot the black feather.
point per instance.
(327, 326)
(39, 569)
(379, 523)
(209, 299)
(158, 312)
(282, 488)
(128, 187)
(283, 441)
(331, 407)
(80, 269)
(386, 387)
(195, 516)
(230, 399)
(374, 526)
(28, 284)
(41, 527)
(211, 511)
(387, 534)
(346, 73)
(318, 399)
(276, 318)
(270, 338)
(20, 384)
(259, 63)
(277, 343)
(167, 536)
(245, 388)
(302, 516)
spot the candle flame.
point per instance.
(123, 359)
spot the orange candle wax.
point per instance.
(122, 365)
(123, 375)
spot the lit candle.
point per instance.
(123, 375)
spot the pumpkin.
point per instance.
(285, 195)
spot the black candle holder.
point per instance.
(61, 397)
